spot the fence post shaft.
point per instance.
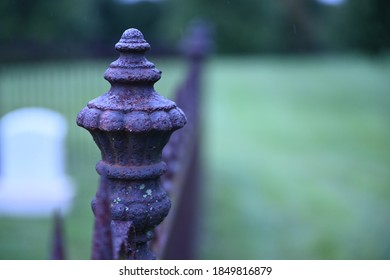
(131, 124)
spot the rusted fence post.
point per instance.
(177, 236)
(131, 124)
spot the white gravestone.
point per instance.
(32, 163)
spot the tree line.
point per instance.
(91, 27)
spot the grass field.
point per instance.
(296, 152)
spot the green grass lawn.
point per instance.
(296, 154)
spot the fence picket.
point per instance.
(131, 124)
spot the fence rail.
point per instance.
(176, 238)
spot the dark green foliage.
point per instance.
(240, 26)
(367, 25)
(69, 27)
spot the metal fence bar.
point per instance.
(102, 235)
(131, 124)
(58, 240)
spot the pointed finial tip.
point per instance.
(132, 40)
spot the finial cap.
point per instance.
(132, 40)
(132, 104)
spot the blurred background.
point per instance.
(296, 111)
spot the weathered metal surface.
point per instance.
(131, 124)
(102, 236)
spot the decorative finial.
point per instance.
(131, 124)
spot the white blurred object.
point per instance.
(32, 163)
